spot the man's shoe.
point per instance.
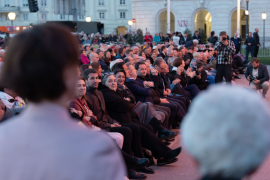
(138, 163)
(165, 134)
(146, 170)
(151, 162)
(132, 174)
(174, 153)
(162, 162)
(237, 77)
(167, 143)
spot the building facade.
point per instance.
(210, 15)
(150, 15)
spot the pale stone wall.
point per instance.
(147, 13)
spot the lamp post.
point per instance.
(247, 15)
(11, 17)
(264, 17)
(88, 19)
(130, 24)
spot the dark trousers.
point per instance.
(224, 70)
(251, 51)
(150, 141)
(167, 113)
(237, 50)
(191, 91)
(127, 133)
(175, 112)
(256, 51)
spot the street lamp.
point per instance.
(130, 24)
(247, 13)
(264, 17)
(11, 17)
(88, 19)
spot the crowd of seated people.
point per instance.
(137, 94)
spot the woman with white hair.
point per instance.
(225, 142)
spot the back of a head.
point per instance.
(227, 131)
(42, 55)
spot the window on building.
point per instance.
(44, 16)
(81, 17)
(122, 15)
(25, 17)
(25, 3)
(43, 3)
(7, 3)
(6, 17)
(62, 16)
(100, 2)
(101, 15)
(122, 2)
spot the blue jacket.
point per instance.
(119, 57)
(156, 39)
(139, 91)
(103, 65)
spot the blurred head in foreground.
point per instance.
(227, 132)
(41, 64)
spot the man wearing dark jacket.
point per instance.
(185, 39)
(197, 36)
(200, 78)
(257, 42)
(237, 43)
(212, 39)
(258, 76)
(250, 46)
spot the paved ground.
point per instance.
(185, 169)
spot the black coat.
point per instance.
(212, 40)
(183, 41)
(256, 37)
(263, 74)
(239, 42)
(177, 88)
(252, 41)
(118, 108)
(201, 83)
(199, 38)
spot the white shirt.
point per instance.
(255, 72)
(176, 40)
(44, 142)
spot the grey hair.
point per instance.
(169, 51)
(195, 41)
(225, 140)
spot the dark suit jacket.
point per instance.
(162, 55)
(257, 38)
(263, 74)
(252, 41)
(189, 43)
(201, 83)
(183, 41)
(239, 40)
(212, 40)
(199, 38)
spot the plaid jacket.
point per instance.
(225, 53)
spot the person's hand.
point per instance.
(168, 91)
(127, 99)
(145, 84)
(256, 81)
(163, 100)
(249, 44)
(226, 43)
(89, 113)
(87, 118)
(113, 125)
(199, 76)
(165, 93)
(154, 72)
(191, 73)
(248, 78)
(116, 125)
(176, 81)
